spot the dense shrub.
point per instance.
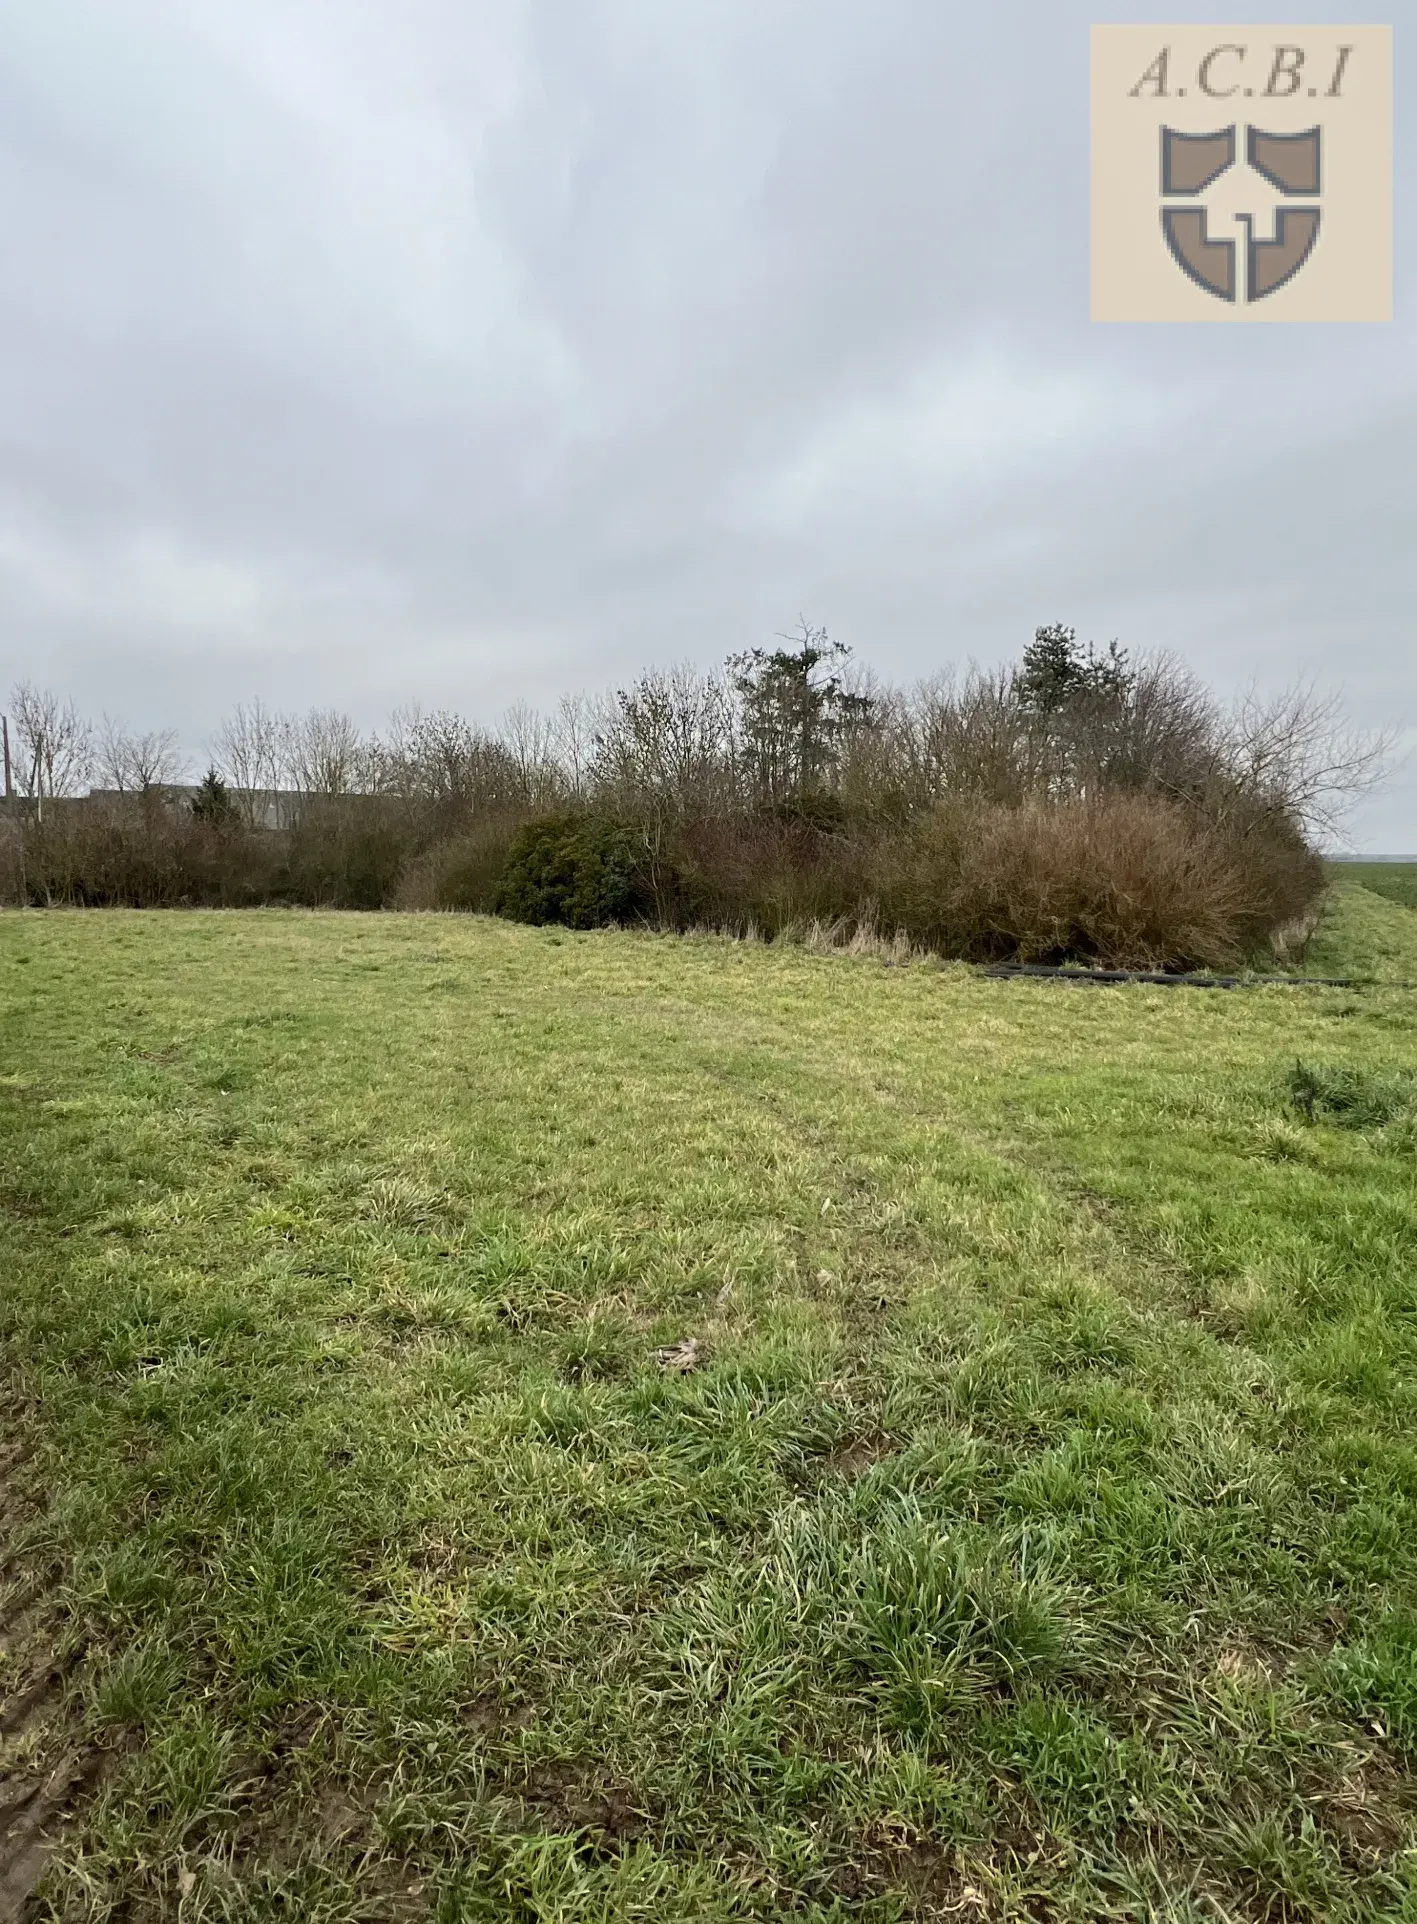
(762, 872)
(347, 852)
(142, 851)
(1283, 878)
(1124, 880)
(1075, 804)
(1127, 881)
(464, 872)
(578, 870)
(137, 851)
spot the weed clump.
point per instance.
(1353, 1098)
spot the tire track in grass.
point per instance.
(49, 1771)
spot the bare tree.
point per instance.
(448, 764)
(530, 739)
(396, 751)
(574, 727)
(326, 754)
(1295, 751)
(666, 744)
(962, 738)
(138, 764)
(54, 744)
(1162, 731)
(249, 748)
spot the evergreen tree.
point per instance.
(794, 717)
(1056, 672)
(213, 800)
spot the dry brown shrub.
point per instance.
(12, 866)
(143, 852)
(462, 872)
(1125, 880)
(346, 851)
(778, 876)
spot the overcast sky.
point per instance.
(466, 351)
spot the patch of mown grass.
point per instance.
(1366, 934)
(1397, 881)
(1034, 1535)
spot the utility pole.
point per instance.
(9, 779)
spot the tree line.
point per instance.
(1074, 802)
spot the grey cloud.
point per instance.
(367, 353)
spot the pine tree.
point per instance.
(1056, 672)
(213, 800)
(794, 718)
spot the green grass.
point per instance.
(1367, 934)
(1397, 881)
(1038, 1537)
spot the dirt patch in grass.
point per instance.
(926, 1876)
(570, 1797)
(931, 1880)
(491, 1716)
(852, 1459)
(1369, 1811)
(48, 1772)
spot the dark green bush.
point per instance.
(212, 801)
(578, 870)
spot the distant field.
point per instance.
(550, 1427)
(1396, 880)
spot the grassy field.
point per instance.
(1397, 881)
(538, 1426)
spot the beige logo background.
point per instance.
(1279, 81)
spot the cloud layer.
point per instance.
(361, 353)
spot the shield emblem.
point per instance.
(1287, 163)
